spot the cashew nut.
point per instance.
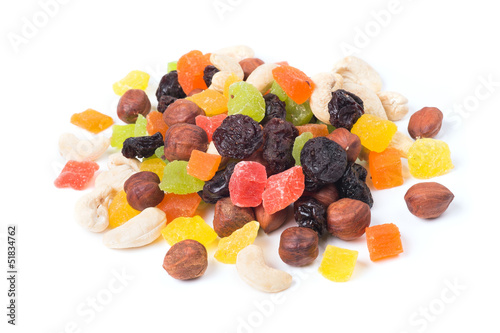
(355, 70)
(253, 270)
(262, 77)
(73, 148)
(117, 159)
(140, 230)
(371, 102)
(237, 52)
(226, 65)
(91, 210)
(395, 104)
(115, 177)
(324, 83)
(402, 143)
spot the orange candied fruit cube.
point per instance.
(203, 165)
(211, 101)
(179, 205)
(386, 168)
(190, 69)
(155, 123)
(297, 85)
(92, 120)
(383, 241)
(315, 129)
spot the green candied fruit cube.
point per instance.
(177, 181)
(245, 99)
(298, 114)
(299, 143)
(171, 66)
(140, 126)
(278, 91)
(120, 134)
(160, 153)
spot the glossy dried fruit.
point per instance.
(169, 85)
(142, 146)
(218, 187)
(275, 108)
(279, 137)
(208, 74)
(310, 213)
(164, 102)
(351, 186)
(238, 136)
(345, 109)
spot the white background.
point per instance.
(437, 53)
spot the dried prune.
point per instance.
(279, 137)
(169, 85)
(275, 108)
(217, 187)
(208, 74)
(345, 108)
(164, 102)
(360, 171)
(351, 186)
(142, 146)
(324, 161)
(310, 213)
(239, 136)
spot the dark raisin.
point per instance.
(345, 108)
(169, 85)
(164, 102)
(239, 136)
(208, 74)
(279, 137)
(360, 171)
(275, 108)
(312, 184)
(142, 146)
(310, 213)
(323, 160)
(351, 186)
(217, 187)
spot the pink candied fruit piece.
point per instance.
(247, 184)
(76, 175)
(210, 124)
(283, 189)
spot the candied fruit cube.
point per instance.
(233, 78)
(298, 144)
(374, 132)
(315, 129)
(189, 228)
(140, 126)
(247, 184)
(190, 70)
(179, 205)
(383, 241)
(297, 85)
(176, 179)
(245, 99)
(119, 211)
(171, 66)
(211, 101)
(120, 134)
(282, 189)
(156, 165)
(429, 158)
(155, 123)
(76, 175)
(338, 264)
(210, 124)
(228, 247)
(133, 80)
(202, 165)
(92, 121)
(386, 168)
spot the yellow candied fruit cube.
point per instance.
(338, 264)
(183, 228)
(229, 247)
(429, 158)
(120, 211)
(374, 132)
(233, 78)
(156, 165)
(133, 80)
(211, 101)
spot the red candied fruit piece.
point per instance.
(190, 69)
(247, 184)
(283, 189)
(297, 85)
(76, 175)
(210, 124)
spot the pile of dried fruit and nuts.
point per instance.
(254, 139)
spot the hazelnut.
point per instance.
(182, 139)
(182, 111)
(428, 200)
(143, 191)
(249, 65)
(425, 123)
(270, 222)
(229, 218)
(347, 218)
(347, 140)
(298, 246)
(132, 103)
(326, 195)
(185, 260)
